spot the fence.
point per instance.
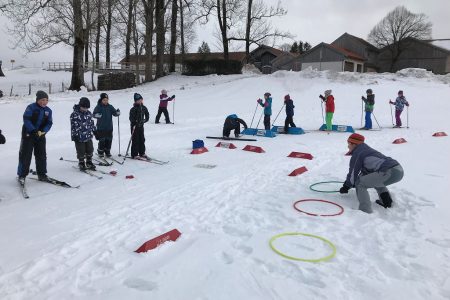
(24, 89)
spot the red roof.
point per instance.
(348, 53)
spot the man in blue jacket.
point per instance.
(37, 121)
(370, 169)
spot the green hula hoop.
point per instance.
(333, 248)
(311, 187)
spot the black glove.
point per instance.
(344, 189)
(117, 112)
(173, 96)
(2, 138)
(322, 97)
(362, 98)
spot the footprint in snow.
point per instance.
(140, 284)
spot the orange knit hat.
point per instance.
(356, 139)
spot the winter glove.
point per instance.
(97, 115)
(118, 112)
(173, 97)
(362, 98)
(39, 134)
(2, 138)
(390, 102)
(344, 189)
(322, 97)
(259, 101)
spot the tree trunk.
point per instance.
(88, 31)
(148, 9)
(160, 38)
(247, 30)
(136, 46)
(108, 35)
(222, 18)
(128, 35)
(78, 48)
(182, 35)
(173, 35)
(99, 28)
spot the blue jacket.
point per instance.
(103, 114)
(267, 106)
(289, 107)
(36, 118)
(81, 125)
(366, 160)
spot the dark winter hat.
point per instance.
(104, 95)
(287, 97)
(41, 95)
(356, 139)
(400, 92)
(267, 94)
(84, 102)
(137, 97)
(369, 91)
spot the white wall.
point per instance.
(329, 65)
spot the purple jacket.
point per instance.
(164, 100)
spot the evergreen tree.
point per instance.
(204, 48)
(294, 48)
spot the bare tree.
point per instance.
(110, 7)
(39, 25)
(258, 27)
(173, 35)
(396, 27)
(149, 11)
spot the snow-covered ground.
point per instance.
(79, 243)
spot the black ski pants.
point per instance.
(27, 145)
(104, 145)
(267, 122)
(166, 114)
(137, 141)
(84, 150)
(289, 121)
(227, 130)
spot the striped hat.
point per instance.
(356, 139)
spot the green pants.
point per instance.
(329, 117)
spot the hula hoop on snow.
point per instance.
(333, 248)
(311, 187)
(318, 200)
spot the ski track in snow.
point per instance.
(79, 243)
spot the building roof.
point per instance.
(363, 41)
(274, 51)
(430, 43)
(347, 53)
(240, 56)
(441, 43)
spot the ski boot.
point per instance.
(100, 153)
(385, 201)
(82, 165)
(90, 165)
(108, 153)
(21, 180)
(42, 177)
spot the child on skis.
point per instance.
(163, 101)
(368, 108)
(329, 108)
(267, 109)
(399, 103)
(370, 169)
(232, 122)
(104, 112)
(138, 116)
(82, 130)
(289, 113)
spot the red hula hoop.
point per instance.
(318, 200)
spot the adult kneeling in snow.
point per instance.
(232, 122)
(370, 169)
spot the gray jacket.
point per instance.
(366, 160)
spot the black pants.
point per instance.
(166, 114)
(104, 145)
(27, 145)
(267, 122)
(138, 141)
(84, 150)
(289, 121)
(227, 130)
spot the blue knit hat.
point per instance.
(137, 97)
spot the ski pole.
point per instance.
(173, 112)
(129, 143)
(118, 132)
(376, 120)
(259, 120)
(256, 108)
(407, 117)
(278, 114)
(392, 116)
(362, 111)
(321, 109)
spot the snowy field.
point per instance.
(79, 243)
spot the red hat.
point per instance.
(356, 139)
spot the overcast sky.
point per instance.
(312, 21)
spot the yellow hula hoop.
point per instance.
(333, 248)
